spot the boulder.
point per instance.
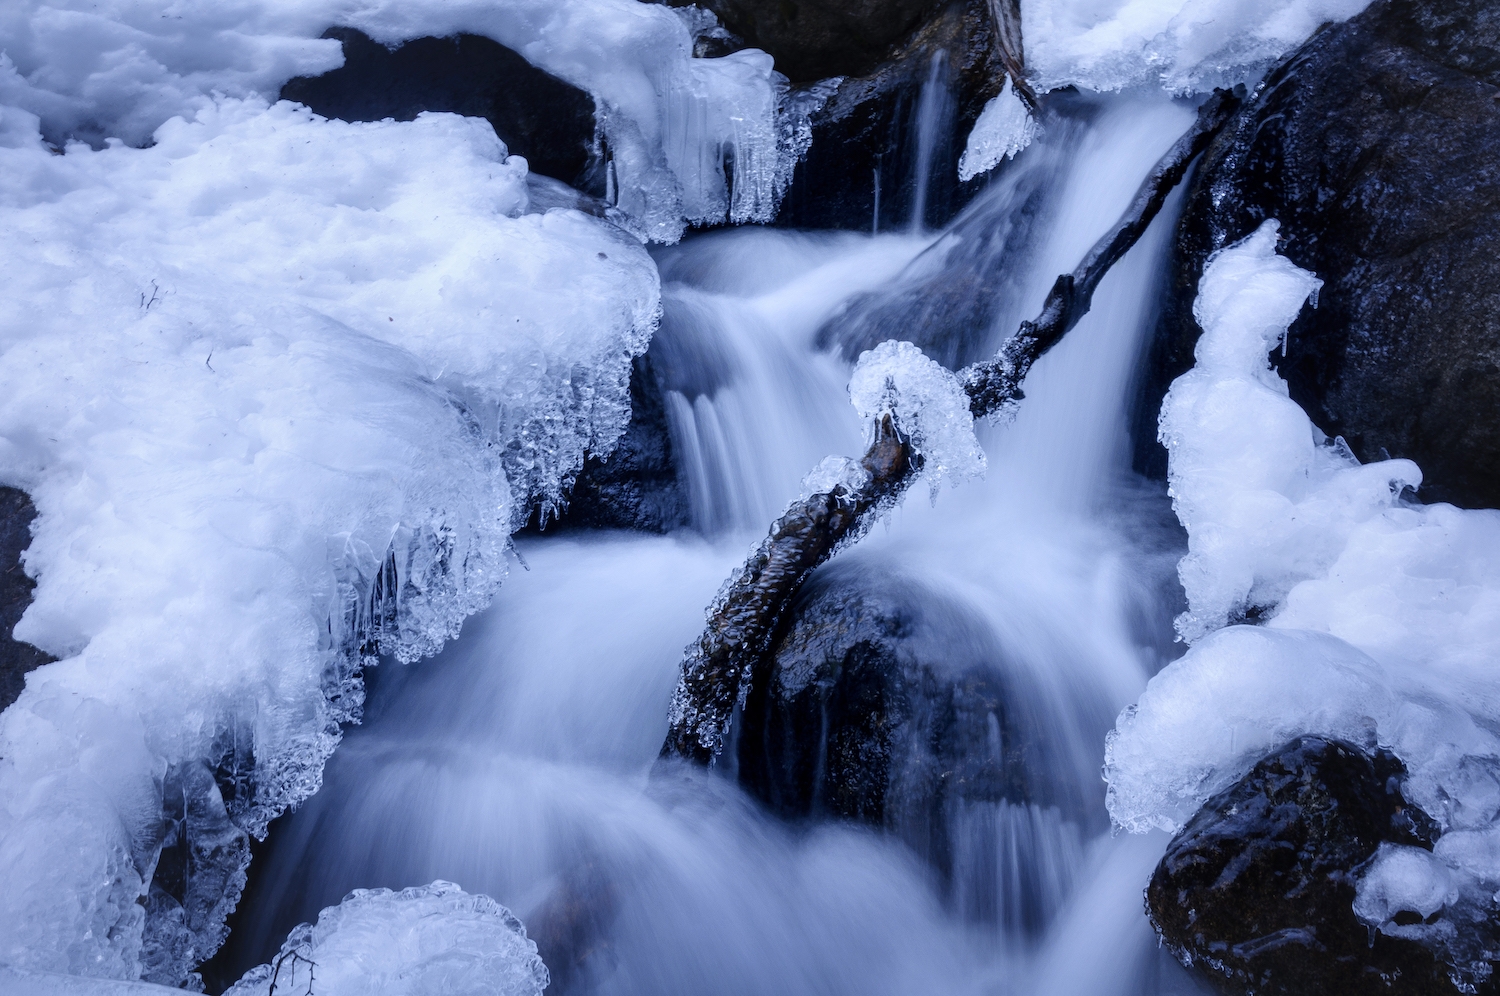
(16, 658)
(1257, 891)
(890, 704)
(536, 115)
(1374, 145)
(865, 136)
(816, 39)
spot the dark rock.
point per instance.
(637, 485)
(1257, 890)
(16, 658)
(536, 115)
(865, 141)
(889, 704)
(816, 39)
(1374, 145)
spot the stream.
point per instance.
(518, 763)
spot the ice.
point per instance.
(929, 404)
(1004, 128)
(278, 387)
(668, 121)
(436, 940)
(1267, 500)
(835, 472)
(1186, 46)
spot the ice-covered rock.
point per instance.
(434, 940)
(1395, 204)
(275, 385)
(120, 69)
(1378, 619)
(930, 407)
(1187, 46)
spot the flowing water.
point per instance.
(516, 763)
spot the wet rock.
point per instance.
(536, 115)
(637, 486)
(865, 138)
(816, 39)
(968, 284)
(16, 658)
(892, 705)
(1374, 144)
(1257, 891)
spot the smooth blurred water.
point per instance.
(516, 762)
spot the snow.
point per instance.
(1003, 128)
(1186, 46)
(1380, 618)
(929, 404)
(247, 374)
(436, 940)
(120, 68)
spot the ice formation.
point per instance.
(275, 385)
(120, 69)
(436, 940)
(1004, 128)
(1186, 46)
(929, 404)
(1380, 618)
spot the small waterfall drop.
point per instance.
(516, 762)
(933, 121)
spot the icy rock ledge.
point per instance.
(276, 385)
(433, 940)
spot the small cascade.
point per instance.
(934, 123)
(516, 762)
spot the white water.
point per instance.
(515, 763)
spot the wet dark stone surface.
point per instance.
(1375, 146)
(637, 486)
(890, 704)
(949, 298)
(868, 126)
(1257, 890)
(816, 39)
(16, 658)
(536, 115)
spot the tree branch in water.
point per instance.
(717, 667)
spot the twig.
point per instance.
(717, 668)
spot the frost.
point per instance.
(929, 404)
(1004, 128)
(277, 386)
(1186, 46)
(436, 940)
(668, 122)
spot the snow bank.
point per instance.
(929, 404)
(121, 68)
(436, 940)
(275, 385)
(1381, 618)
(1186, 46)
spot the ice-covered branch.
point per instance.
(742, 620)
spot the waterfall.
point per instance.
(516, 762)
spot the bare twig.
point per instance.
(717, 667)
